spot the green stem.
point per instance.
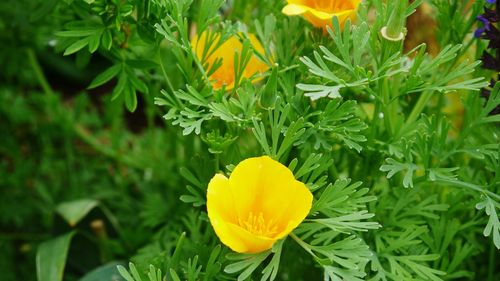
(387, 109)
(160, 58)
(419, 107)
(491, 263)
(470, 186)
(417, 110)
(200, 67)
(42, 80)
(374, 125)
(303, 244)
(217, 167)
(268, 73)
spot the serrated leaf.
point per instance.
(493, 225)
(393, 167)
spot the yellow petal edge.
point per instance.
(320, 12)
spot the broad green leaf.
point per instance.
(77, 46)
(137, 83)
(107, 39)
(130, 98)
(77, 32)
(105, 76)
(74, 211)
(107, 272)
(51, 258)
(120, 86)
(94, 41)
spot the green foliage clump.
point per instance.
(111, 131)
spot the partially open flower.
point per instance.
(225, 74)
(260, 203)
(320, 12)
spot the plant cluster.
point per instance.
(397, 146)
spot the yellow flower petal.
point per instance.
(260, 203)
(220, 199)
(294, 9)
(320, 12)
(276, 181)
(298, 209)
(244, 182)
(261, 182)
(241, 240)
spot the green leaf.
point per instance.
(154, 274)
(44, 9)
(124, 273)
(130, 98)
(393, 167)
(271, 269)
(268, 94)
(245, 263)
(107, 39)
(74, 211)
(77, 46)
(139, 84)
(94, 42)
(120, 86)
(493, 226)
(222, 111)
(349, 223)
(107, 272)
(51, 258)
(213, 264)
(77, 32)
(141, 64)
(105, 76)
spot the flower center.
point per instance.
(256, 224)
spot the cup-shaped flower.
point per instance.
(320, 12)
(260, 203)
(225, 73)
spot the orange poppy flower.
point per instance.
(225, 74)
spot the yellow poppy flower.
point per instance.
(224, 75)
(320, 12)
(260, 203)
